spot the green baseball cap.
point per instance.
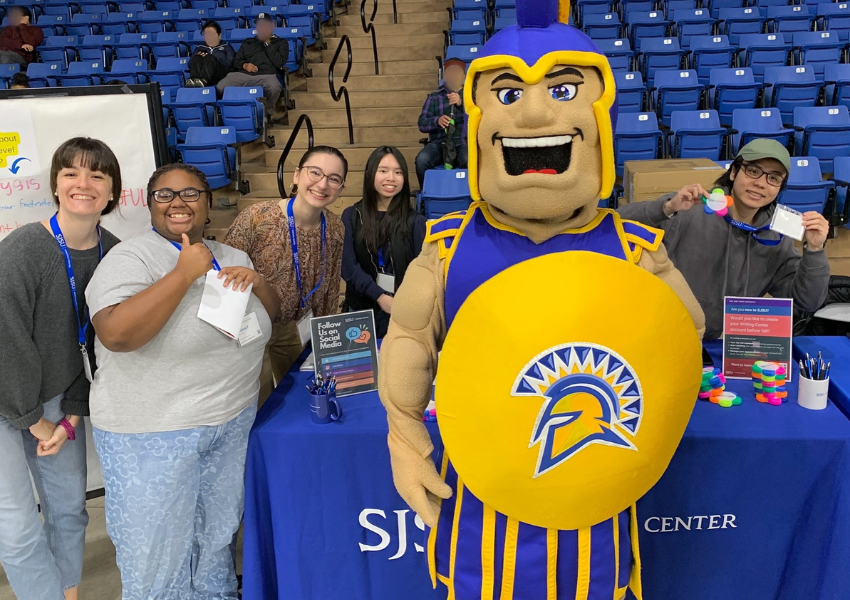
(765, 148)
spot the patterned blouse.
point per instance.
(261, 231)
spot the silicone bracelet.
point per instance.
(69, 429)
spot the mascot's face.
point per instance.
(539, 149)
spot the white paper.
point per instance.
(386, 282)
(250, 330)
(222, 307)
(839, 311)
(304, 327)
(788, 222)
(308, 363)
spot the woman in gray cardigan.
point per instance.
(45, 367)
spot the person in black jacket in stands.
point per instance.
(211, 60)
(383, 234)
(259, 61)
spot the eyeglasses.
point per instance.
(315, 174)
(754, 171)
(166, 195)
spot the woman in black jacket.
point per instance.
(211, 60)
(383, 234)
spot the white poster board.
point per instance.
(33, 123)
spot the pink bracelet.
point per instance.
(69, 429)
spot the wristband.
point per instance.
(69, 429)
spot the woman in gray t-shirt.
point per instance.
(174, 398)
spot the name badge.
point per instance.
(87, 364)
(304, 327)
(386, 282)
(250, 329)
(788, 221)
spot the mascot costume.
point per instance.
(565, 345)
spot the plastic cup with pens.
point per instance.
(324, 407)
(814, 383)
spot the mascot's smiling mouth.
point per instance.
(548, 155)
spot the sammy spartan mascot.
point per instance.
(565, 345)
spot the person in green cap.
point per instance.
(737, 254)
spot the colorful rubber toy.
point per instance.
(713, 385)
(717, 202)
(769, 383)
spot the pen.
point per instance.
(826, 373)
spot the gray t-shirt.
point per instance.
(190, 374)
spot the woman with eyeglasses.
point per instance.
(174, 398)
(738, 255)
(296, 244)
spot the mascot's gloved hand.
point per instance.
(405, 380)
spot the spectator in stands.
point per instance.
(115, 82)
(174, 464)
(271, 233)
(20, 38)
(20, 81)
(442, 114)
(383, 234)
(738, 255)
(212, 60)
(45, 384)
(259, 61)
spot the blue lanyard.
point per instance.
(293, 242)
(381, 259)
(179, 247)
(754, 231)
(82, 325)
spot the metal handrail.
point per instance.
(370, 27)
(342, 92)
(301, 120)
(395, 13)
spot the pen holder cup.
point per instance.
(325, 408)
(812, 393)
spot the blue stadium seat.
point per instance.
(715, 6)
(117, 23)
(696, 134)
(692, 23)
(305, 23)
(629, 8)
(48, 9)
(7, 71)
(789, 87)
(230, 18)
(637, 138)
(619, 53)
(43, 75)
(506, 13)
(170, 72)
(470, 9)
(660, 53)
(732, 89)
(169, 44)
(676, 90)
(133, 45)
(444, 191)
(95, 9)
(822, 132)
(169, 5)
(631, 92)
(468, 31)
(134, 7)
(735, 22)
(83, 73)
(806, 190)
(277, 12)
(211, 150)
(83, 25)
(317, 10)
(841, 177)
(762, 50)
(603, 26)
(789, 19)
(709, 53)
(129, 70)
(673, 5)
(53, 24)
(834, 16)
(190, 19)
(837, 84)
(500, 23)
(465, 53)
(193, 107)
(241, 109)
(97, 48)
(591, 7)
(210, 5)
(756, 123)
(240, 3)
(151, 21)
(647, 25)
(818, 49)
(59, 48)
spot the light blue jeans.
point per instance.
(173, 506)
(41, 561)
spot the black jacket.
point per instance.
(223, 52)
(270, 57)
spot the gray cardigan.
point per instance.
(39, 351)
(720, 260)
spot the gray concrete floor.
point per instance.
(101, 580)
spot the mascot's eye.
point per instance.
(509, 96)
(564, 92)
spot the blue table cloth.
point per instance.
(835, 350)
(755, 506)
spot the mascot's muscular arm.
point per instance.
(408, 365)
(660, 265)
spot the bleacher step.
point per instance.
(359, 99)
(433, 16)
(356, 156)
(362, 42)
(398, 134)
(388, 67)
(404, 53)
(361, 117)
(404, 7)
(390, 30)
(426, 82)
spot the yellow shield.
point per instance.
(564, 386)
